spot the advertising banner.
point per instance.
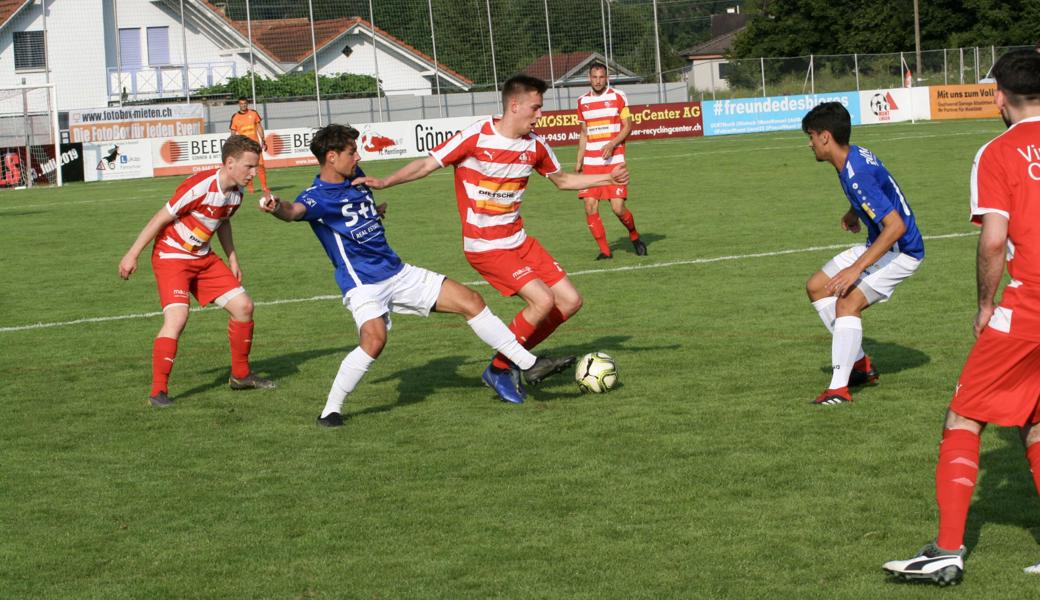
(126, 159)
(649, 122)
(135, 122)
(971, 101)
(773, 113)
(39, 164)
(188, 154)
(894, 105)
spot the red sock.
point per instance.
(955, 477)
(240, 337)
(630, 224)
(522, 330)
(1033, 454)
(545, 328)
(164, 351)
(598, 232)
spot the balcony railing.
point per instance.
(167, 81)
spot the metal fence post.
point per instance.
(603, 19)
(119, 57)
(184, 50)
(762, 66)
(375, 58)
(657, 55)
(491, 36)
(812, 75)
(436, 65)
(855, 63)
(252, 65)
(946, 72)
(960, 69)
(548, 39)
(314, 55)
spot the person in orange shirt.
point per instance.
(247, 122)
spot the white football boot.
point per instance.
(943, 567)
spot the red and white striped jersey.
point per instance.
(491, 173)
(602, 115)
(1005, 180)
(200, 206)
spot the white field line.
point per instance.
(663, 265)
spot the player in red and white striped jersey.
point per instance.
(493, 159)
(184, 264)
(605, 123)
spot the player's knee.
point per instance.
(373, 341)
(570, 305)
(472, 303)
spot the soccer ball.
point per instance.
(596, 373)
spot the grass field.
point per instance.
(706, 475)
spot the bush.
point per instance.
(294, 85)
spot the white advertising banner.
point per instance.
(126, 159)
(291, 147)
(895, 104)
(135, 122)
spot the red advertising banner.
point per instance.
(649, 122)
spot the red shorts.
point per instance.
(1000, 382)
(206, 278)
(605, 192)
(509, 270)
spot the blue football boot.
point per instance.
(505, 383)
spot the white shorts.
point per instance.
(413, 291)
(881, 277)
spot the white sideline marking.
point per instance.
(674, 263)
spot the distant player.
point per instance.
(493, 159)
(184, 264)
(374, 280)
(864, 274)
(605, 123)
(247, 122)
(1000, 382)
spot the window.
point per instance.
(130, 47)
(725, 70)
(29, 50)
(158, 46)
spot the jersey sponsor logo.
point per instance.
(367, 232)
(1031, 154)
(517, 274)
(489, 155)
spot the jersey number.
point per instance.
(899, 192)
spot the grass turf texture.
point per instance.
(707, 474)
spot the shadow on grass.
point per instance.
(275, 367)
(623, 243)
(889, 357)
(1005, 492)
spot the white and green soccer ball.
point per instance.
(596, 373)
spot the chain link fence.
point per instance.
(309, 62)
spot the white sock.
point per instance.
(848, 335)
(351, 370)
(825, 308)
(494, 332)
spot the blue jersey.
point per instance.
(345, 220)
(873, 193)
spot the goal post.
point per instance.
(30, 141)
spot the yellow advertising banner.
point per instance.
(970, 101)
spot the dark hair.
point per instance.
(831, 117)
(1018, 76)
(334, 137)
(237, 145)
(596, 65)
(241, 98)
(522, 84)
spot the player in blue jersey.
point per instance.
(374, 280)
(863, 274)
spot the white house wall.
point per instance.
(398, 76)
(704, 76)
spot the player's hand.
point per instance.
(982, 319)
(373, 182)
(619, 176)
(844, 282)
(127, 266)
(381, 210)
(269, 203)
(235, 269)
(608, 151)
(850, 222)
(577, 169)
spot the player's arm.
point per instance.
(227, 242)
(582, 138)
(850, 221)
(893, 228)
(283, 210)
(580, 181)
(626, 128)
(232, 127)
(161, 219)
(417, 169)
(989, 267)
